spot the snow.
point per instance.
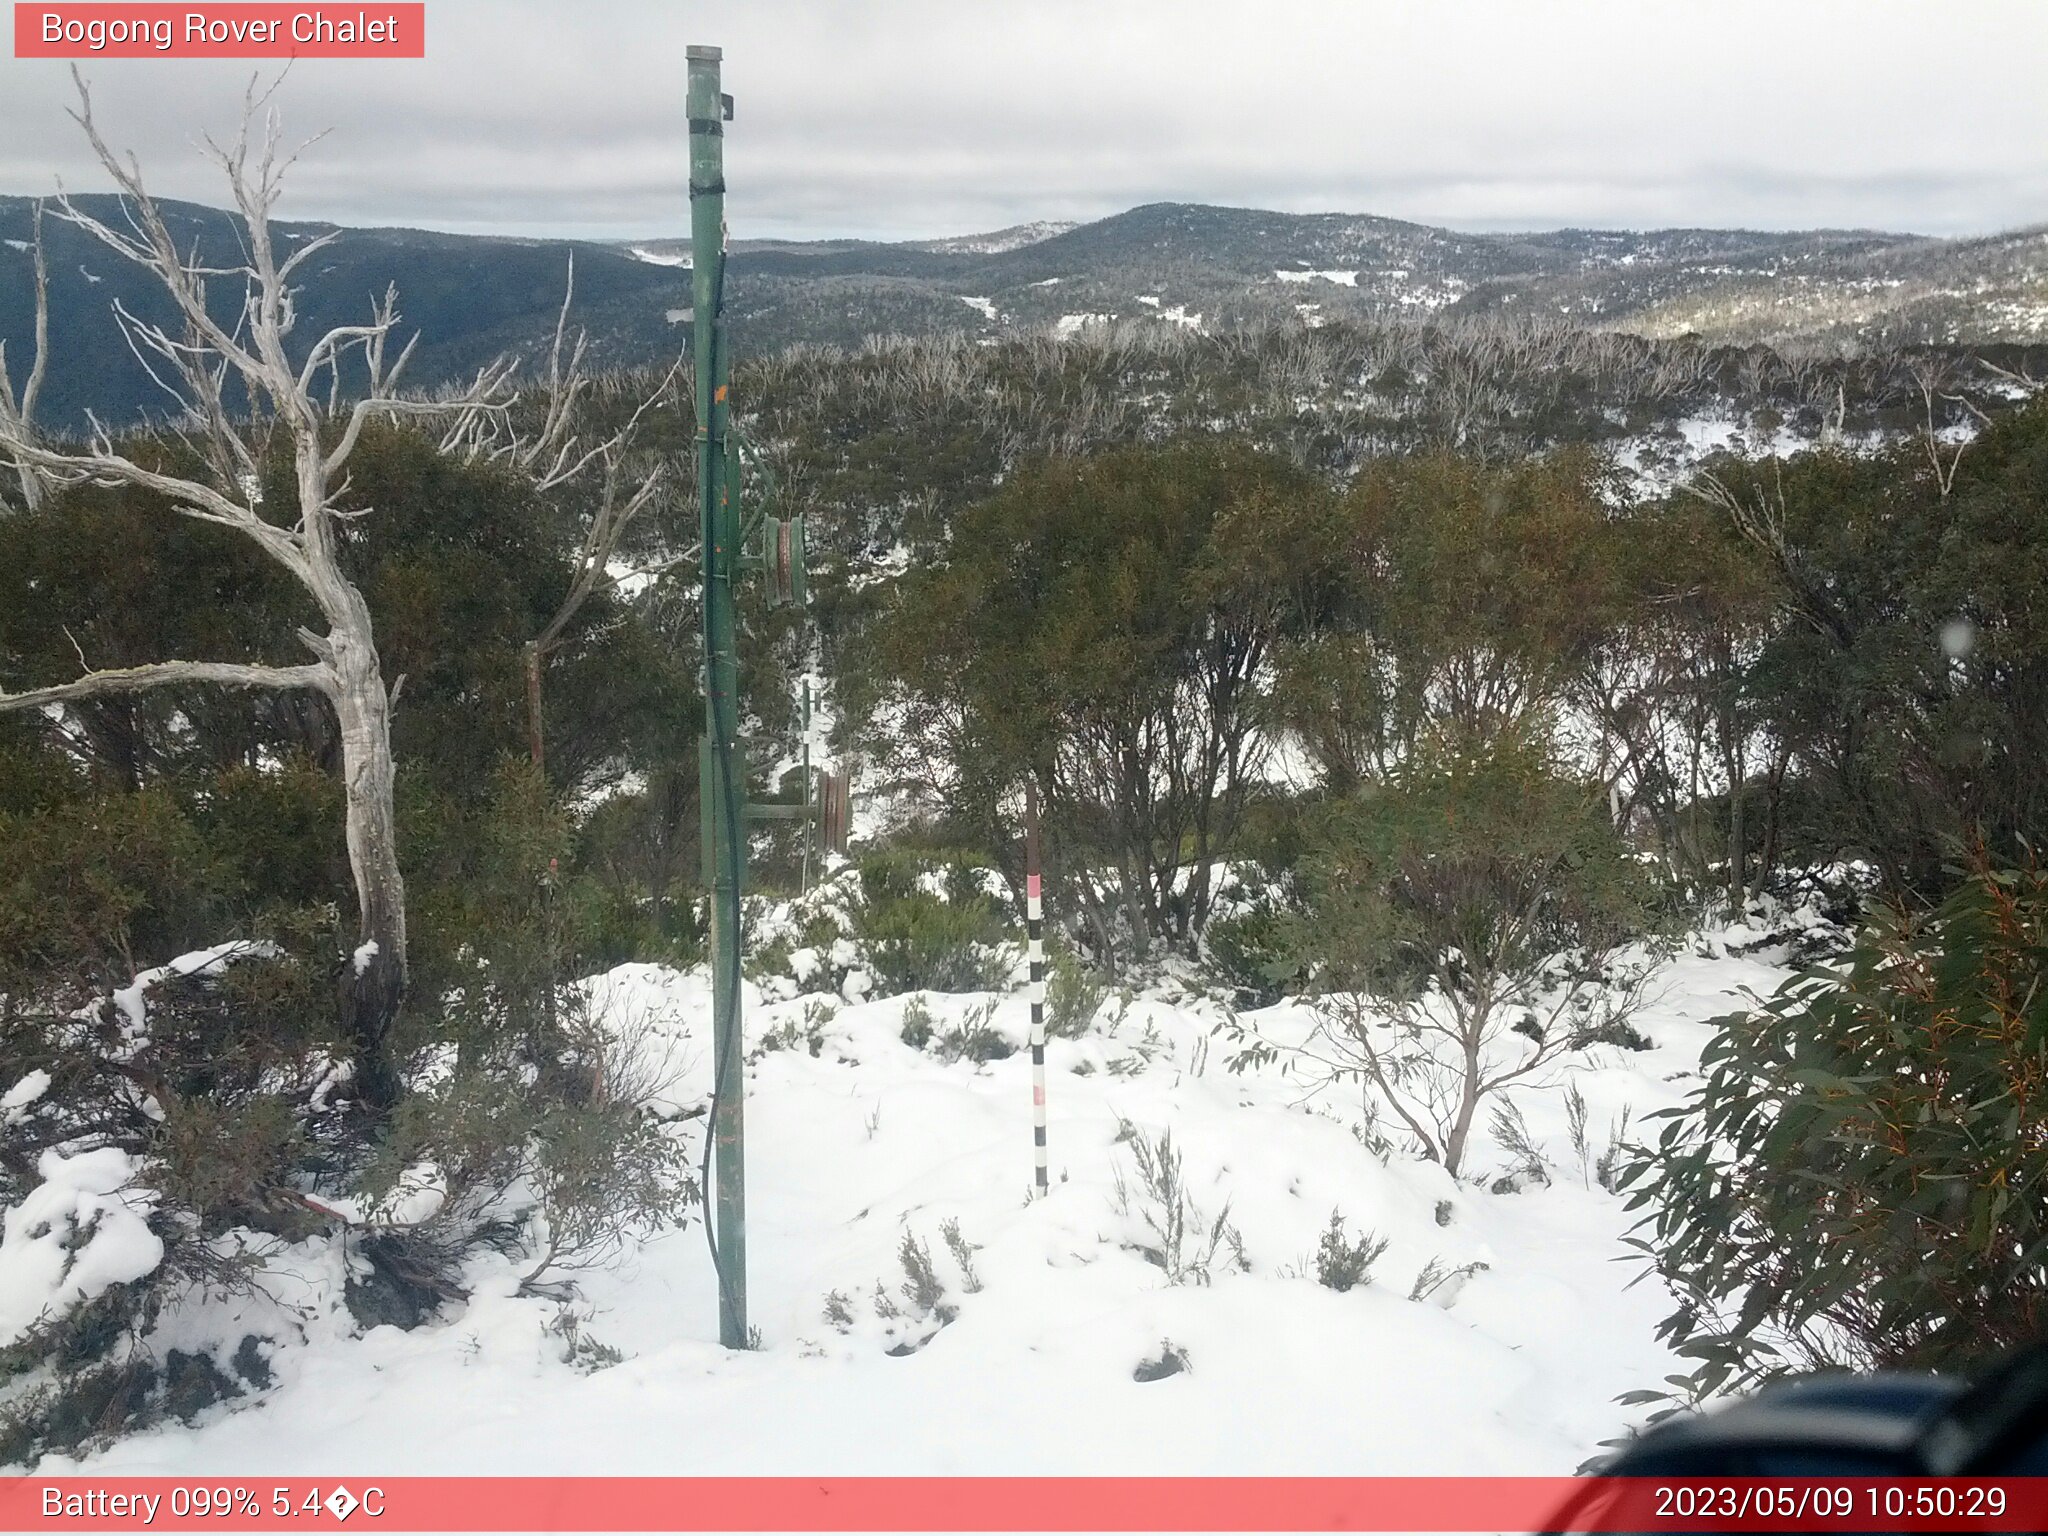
(987, 306)
(659, 258)
(1514, 1370)
(1072, 325)
(365, 953)
(629, 578)
(417, 1196)
(81, 1230)
(131, 1001)
(1343, 279)
(17, 1099)
(998, 241)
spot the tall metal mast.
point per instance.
(735, 542)
(721, 790)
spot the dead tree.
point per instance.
(553, 455)
(17, 412)
(284, 408)
(1931, 376)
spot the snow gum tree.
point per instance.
(247, 398)
(1106, 626)
(1459, 935)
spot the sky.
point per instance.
(899, 119)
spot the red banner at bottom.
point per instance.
(1431, 1504)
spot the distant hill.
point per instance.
(1165, 263)
(470, 298)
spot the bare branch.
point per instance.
(163, 674)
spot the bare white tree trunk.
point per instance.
(284, 395)
(17, 412)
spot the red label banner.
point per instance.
(376, 30)
(1023, 1504)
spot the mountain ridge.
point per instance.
(1202, 266)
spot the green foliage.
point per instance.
(1467, 873)
(1908, 667)
(1252, 951)
(1074, 992)
(1473, 899)
(917, 1023)
(280, 829)
(915, 939)
(1473, 592)
(1856, 1182)
(104, 884)
(1343, 1263)
(1104, 624)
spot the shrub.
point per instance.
(1857, 1180)
(106, 884)
(1249, 949)
(1461, 929)
(1074, 991)
(1176, 1235)
(917, 939)
(917, 1024)
(157, 1130)
(1341, 1263)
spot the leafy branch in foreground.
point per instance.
(1856, 1183)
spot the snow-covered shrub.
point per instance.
(1171, 1360)
(503, 1150)
(917, 1024)
(149, 1137)
(975, 1038)
(906, 1317)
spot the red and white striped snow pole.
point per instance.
(1034, 934)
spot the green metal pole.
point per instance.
(724, 809)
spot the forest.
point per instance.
(1372, 670)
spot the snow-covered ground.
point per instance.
(858, 1140)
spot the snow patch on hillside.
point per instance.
(1072, 325)
(996, 241)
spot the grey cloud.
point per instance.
(916, 117)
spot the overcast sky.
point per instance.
(908, 118)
